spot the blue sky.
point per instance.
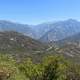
(38, 11)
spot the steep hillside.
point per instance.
(71, 51)
(17, 44)
(69, 47)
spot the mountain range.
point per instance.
(61, 30)
(45, 32)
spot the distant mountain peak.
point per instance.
(72, 19)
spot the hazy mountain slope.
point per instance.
(61, 30)
(10, 26)
(41, 29)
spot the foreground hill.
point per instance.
(18, 45)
